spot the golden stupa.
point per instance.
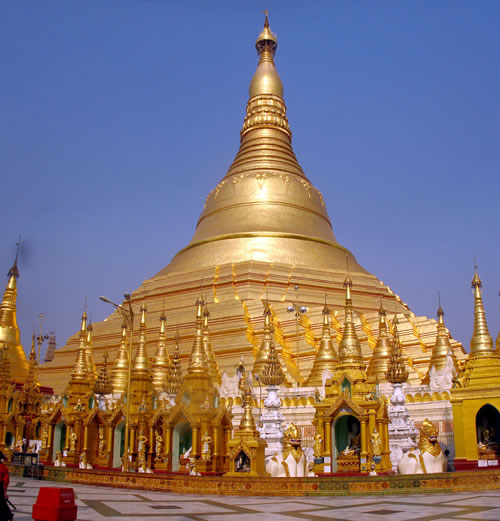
(9, 331)
(263, 240)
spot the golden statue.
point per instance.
(102, 441)
(72, 441)
(159, 444)
(318, 439)
(376, 444)
(206, 450)
(45, 437)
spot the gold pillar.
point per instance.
(216, 441)
(329, 450)
(132, 439)
(50, 440)
(2, 433)
(66, 441)
(85, 437)
(364, 445)
(194, 451)
(167, 449)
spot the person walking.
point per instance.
(5, 512)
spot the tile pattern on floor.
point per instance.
(98, 504)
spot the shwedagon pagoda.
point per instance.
(262, 349)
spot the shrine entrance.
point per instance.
(118, 445)
(181, 443)
(488, 432)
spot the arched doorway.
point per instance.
(118, 445)
(59, 438)
(181, 442)
(488, 432)
(346, 435)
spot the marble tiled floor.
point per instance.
(98, 504)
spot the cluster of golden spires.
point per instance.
(397, 373)
(272, 374)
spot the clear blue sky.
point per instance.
(118, 118)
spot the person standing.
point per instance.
(5, 512)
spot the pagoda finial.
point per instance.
(14, 270)
(266, 79)
(481, 343)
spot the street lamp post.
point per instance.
(298, 310)
(128, 315)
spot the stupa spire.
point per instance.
(481, 343)
(213, 366)
(198, 357)
(350, 346)
(89, 355)
(326, 357)
(382, 351)
(9, 330)
(141, 362)
(120, 368)
(263, 353)
(80, 369)
(161, 361)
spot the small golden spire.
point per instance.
(9, 330)
(263, 353)
(272, 374)
(481, 343)
(120, 369)
(213, 366)
(326, 357)
(198, 357)
(174, 373)
(89, 355)
(31, 383)
(80, 369)
(33, 351)
(382, 352)
(161, 361)
(396, 372)
(350, 346)
(247, 422)
(442, 347)
(141, 362)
